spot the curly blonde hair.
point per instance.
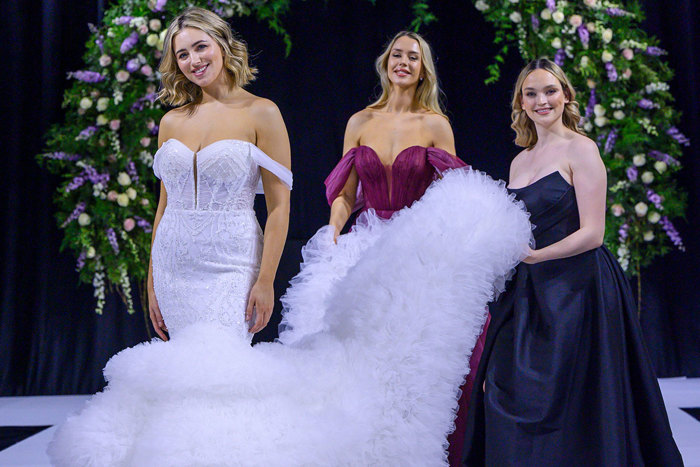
(176, 90)
(428, 91)
(525, 132)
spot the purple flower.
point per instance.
(559, 57)
(160, 4)
(610, 140)
(100, 43)
(112, 238)
(612, 72)
(139, 103)
(144, 224)
(131, 170)
(623, 232)
(79, 209)
(91, 174)
(663, 157)
(62, 156)
(632, 173)
(616, 12)
(655, 51)
(655, 199)
(591, 104)
(646, 104)
(552, 5)
(80, 263)
(672, 233)
(676, 134)
(76, 183)
(583, 34)
(123, 20)
(87, 132)
(132, 65)
(535, 21)
(129, 42)
(86, 76)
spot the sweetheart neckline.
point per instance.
(398, 155)
(556, 172)
(208, 145)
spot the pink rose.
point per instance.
(143, 29)
(115, 124)
(151, 88)
(157, 54)
(145, 141)
(144, 202)
(129, 224)
(627, 73)
(150, 124)
(147, 70)
(628, 53)
(112, 195)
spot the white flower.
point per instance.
(102, 104)
(558, 17)
(123, 200)
(590, 83)
(599, 110)
(606, 56)
(155, 24)
(590, 3)
(481, 5)
(600, 121)
(584, 61)
(622, 251)
(546, 14)
(575, 20)
(90, 252)
(641, 209)
(588, 126)
(654, 217)
(514, 1)
(647, 177)
(122, 76)
(591, 27)
(639, 160)
(556, 43)
(515, 17)
(648, 236)
(660, 166)
(607, 35)
(131, 193)
(619, 114)
(152, 40)
(105, 60)
(85, 103)
(84, 219)
(617, 210)
(101, 120)
(137, 22)
(123, 179)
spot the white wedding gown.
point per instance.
(376, 336)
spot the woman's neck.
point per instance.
(401, 100)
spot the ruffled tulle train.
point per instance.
(375, 343)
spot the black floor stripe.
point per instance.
(693, 411)
(10, 435)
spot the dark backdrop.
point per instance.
(51, 342)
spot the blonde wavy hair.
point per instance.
(176, 90)
(525, 132)
(428, 91)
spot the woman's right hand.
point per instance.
(336, 232)
(156, 317)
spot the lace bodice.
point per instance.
(223, 176)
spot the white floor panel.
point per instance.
(51, 410)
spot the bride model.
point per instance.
(380, 324)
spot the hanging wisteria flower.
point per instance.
(676, 134)
(663, 157)
(79, 209)
(655, 199)
(112, 238)
(132, 65)
(612, 72)
(559, 57)
(86, 76)
(655, 51)
(129, 42)
(672, 233)
(646, 104)
(610, 141)
(551, 5)
(144, 224)
(632, 173)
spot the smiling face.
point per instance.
(543, 98)
(405, 65)
(198, 56)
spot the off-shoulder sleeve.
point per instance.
(443, 160)
(339, 176)
(267, 163)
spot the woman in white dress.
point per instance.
(208, 263)
(381, 323)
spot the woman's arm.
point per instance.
(273, 140)
(342, 206)
(590, 180)
(153, 308)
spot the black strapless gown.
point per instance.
(568, 378)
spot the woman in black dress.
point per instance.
(565, 379)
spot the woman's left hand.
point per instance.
(262, 299)
(532, 257)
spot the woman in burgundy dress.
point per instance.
(394, 149)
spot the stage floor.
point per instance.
(28, 423)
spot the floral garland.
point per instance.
(104, 149)
(623, 86)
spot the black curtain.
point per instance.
(51, 342)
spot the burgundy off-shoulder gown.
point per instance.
(387, 189)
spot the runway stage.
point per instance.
(28, 423)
